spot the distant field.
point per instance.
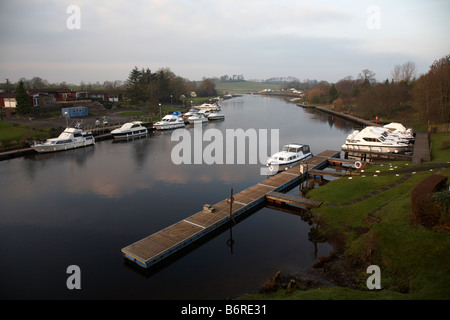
(244, 86)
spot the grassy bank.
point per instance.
(13, 136)
(367, 219)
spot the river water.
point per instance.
(80, 207)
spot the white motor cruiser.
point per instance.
(400, 130)
(216, 115)
(70, 138)
(372, 140)
(129, 130)
(191, 112)
(289, 156)
(170, 121)
(197, 118)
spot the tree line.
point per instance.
(163, 86)
(428, 95)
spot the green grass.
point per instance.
(13, 134)
(438, 153)
(134, 113)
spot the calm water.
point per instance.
(81, 207)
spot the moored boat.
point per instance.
(401, 131)
(70, 138)
(216, 115)
(197, 117)
(372, 139)
(129, 130)
(289, 156)
(170, 121)
(191, 112)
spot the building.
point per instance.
(74, 112)
(8, 100)
(100, 95)
(51, 96)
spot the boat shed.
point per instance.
(73, 112)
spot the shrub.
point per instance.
(445, 144)
(423, 209)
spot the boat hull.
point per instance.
(222, 117)
(168, 126)
(369, 148)
(129, 134)
(191, 121)
(43, 148)
(282, 166)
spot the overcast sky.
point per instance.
(323, 40)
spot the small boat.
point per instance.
(170, 121)
(390, 135)
(216, 115)
(191, 112)
(289, 156)
(70, 138)
(129, 130)
(372, 139)
(206, 112)
(209, 106)
(197, 117)
(400, 130)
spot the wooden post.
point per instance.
(230, 200)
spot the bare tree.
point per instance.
(397, 73)
(367, 76)
(408, 71)
(405, 72)
(432, 92)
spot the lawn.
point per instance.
(12, 135)
(440, 147)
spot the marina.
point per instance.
(95, 201)
(178, 236)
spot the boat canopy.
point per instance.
(296, 148)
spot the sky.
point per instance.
(103, 40)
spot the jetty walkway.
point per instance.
(160, 245)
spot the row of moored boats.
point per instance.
(391, 138)
(75, 137)
(204, 113)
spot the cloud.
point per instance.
(257, 38)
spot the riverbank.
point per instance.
(367, 220)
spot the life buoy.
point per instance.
(230, 200)
(358, 164)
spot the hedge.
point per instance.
(423, 210)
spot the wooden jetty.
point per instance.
(375, 155)
(339, 161)
(329, 173)
(421, 148)
(160, 245)
(279, 197)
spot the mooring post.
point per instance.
(303, 174)
(230, 200)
